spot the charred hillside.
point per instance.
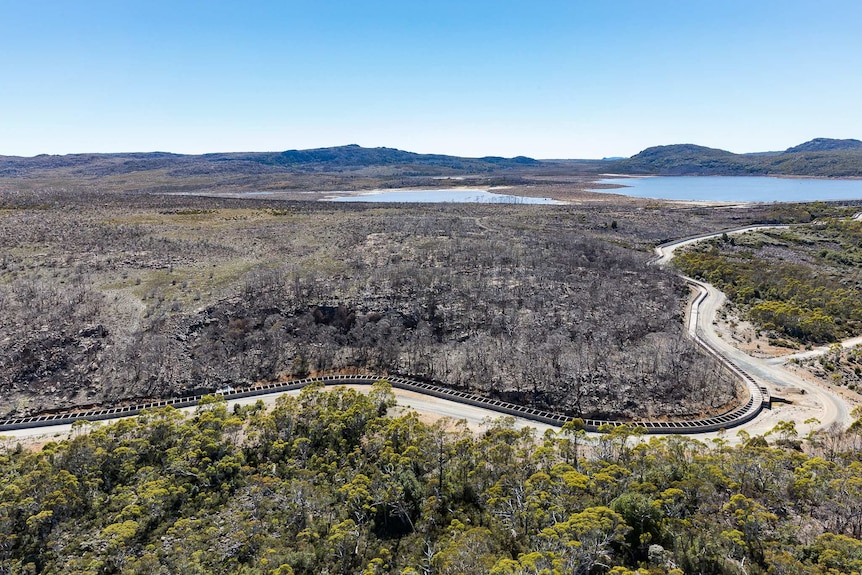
(144, 296)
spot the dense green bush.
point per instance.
(327, 483)
(804, 282)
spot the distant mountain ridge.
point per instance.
(351, 157)
(820, 157)
(354, 155)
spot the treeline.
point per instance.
(803, 282)
(327, 483)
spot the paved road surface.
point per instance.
(817, 401)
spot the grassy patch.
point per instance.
(181, 288)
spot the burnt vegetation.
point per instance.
(110, 297)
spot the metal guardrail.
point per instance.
(758, 395)
(724, 421)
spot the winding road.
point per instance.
(809, 400)
(812, 405)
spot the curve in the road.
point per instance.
(757, 372)
(726, 420)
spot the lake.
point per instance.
(736, 188)
(441, 196)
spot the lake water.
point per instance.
(440, 196)
(736, 188)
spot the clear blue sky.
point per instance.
(547, 79)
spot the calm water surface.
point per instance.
(736, 188)
(438, 196)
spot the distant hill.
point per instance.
(341, 158)
(353, 156)
(683, 159)
(822, 157)
(826, 145)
